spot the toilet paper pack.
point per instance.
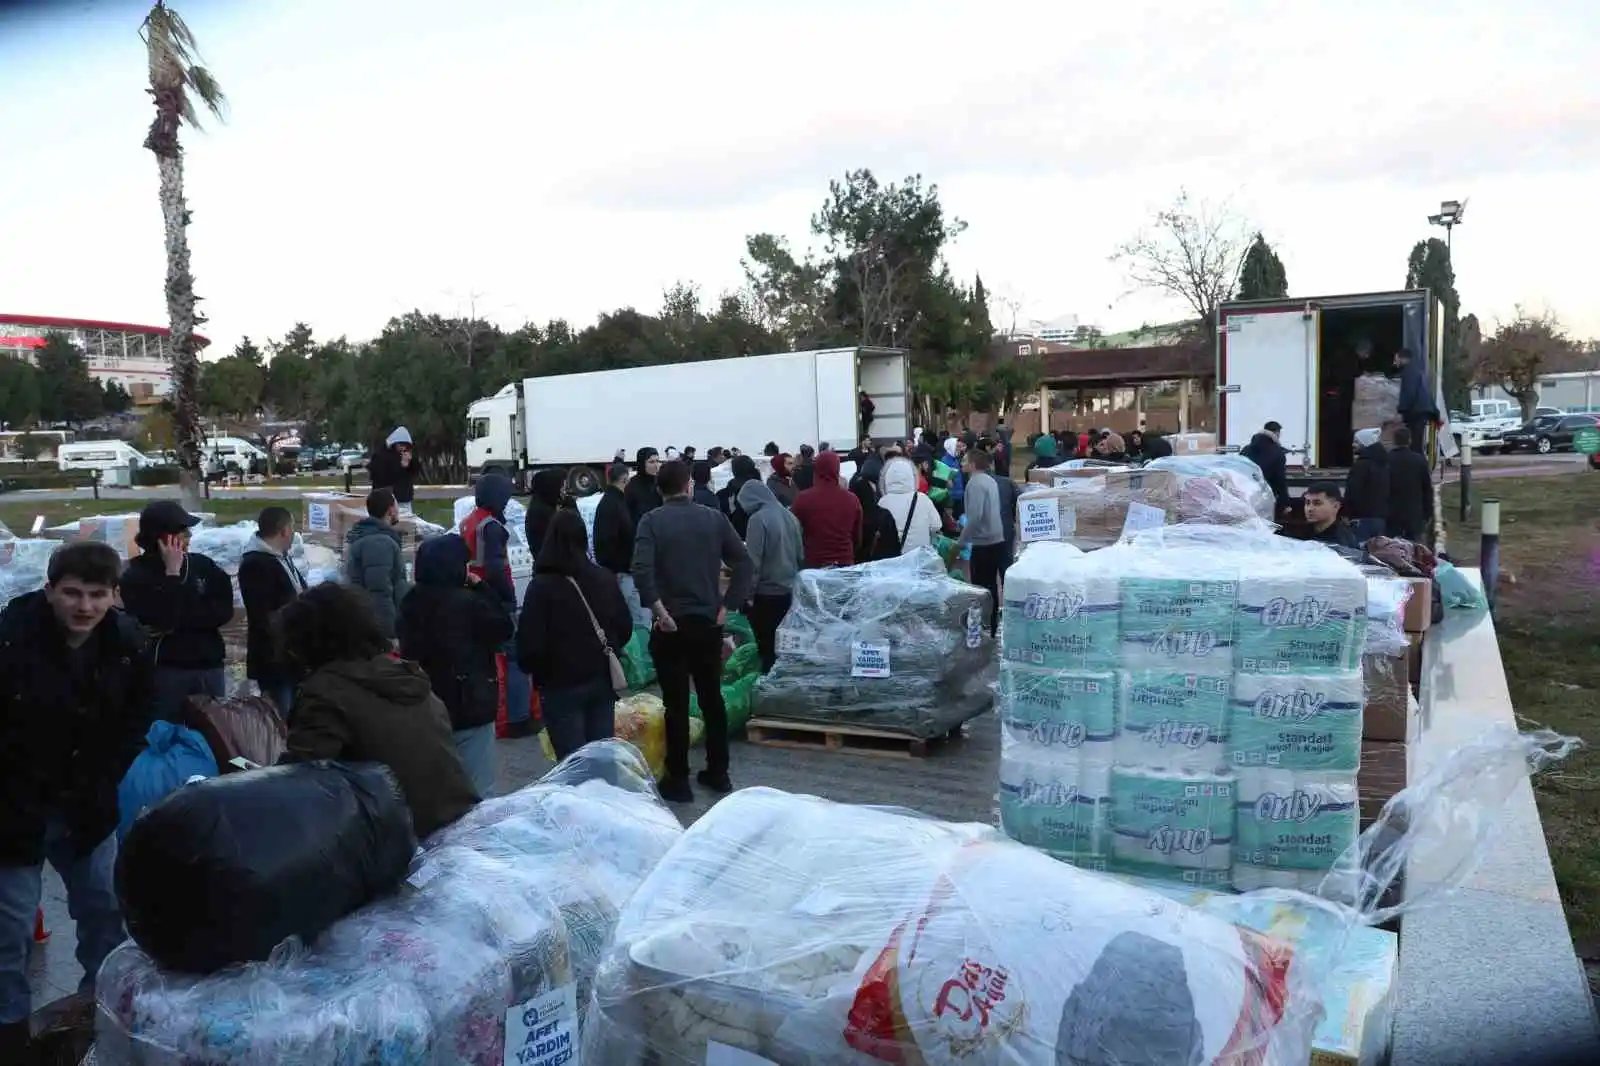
(1056, 801)
(1178, 610)
(1302, 722)
(1172, 825)
(1294, 824)
(1060, 610)
(1058, 708)
(1300, 612)
(1173, 720)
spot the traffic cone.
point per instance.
(40, 933)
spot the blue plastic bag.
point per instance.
(1455, 589)
(172, 755)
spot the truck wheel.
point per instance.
(1543, 445)
(583, 481)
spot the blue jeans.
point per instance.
(519, 690)
(476, 748)
(176, 684)
(576, 715)
(91, 900)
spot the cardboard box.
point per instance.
(329, 515)
(1093, 508)
(1382, 775)
(1414, 660)
(118, 531)
(1419, 604)
(1387, 698)
(1193, 443)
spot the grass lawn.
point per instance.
(1548, 620)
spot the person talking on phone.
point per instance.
(182, 601)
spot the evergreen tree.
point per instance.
(1262, 276)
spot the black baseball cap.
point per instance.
(165, 518)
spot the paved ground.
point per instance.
(956, 783)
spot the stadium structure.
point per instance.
(137, 357)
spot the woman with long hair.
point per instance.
(361, 703)
(574, 623)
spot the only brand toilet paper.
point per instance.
(1171, 720)
(1172, 824)
(1301, 612)
(1287, 821)
(1060, 610)
(1058, 708)
(1059, 804)
(1301, 722)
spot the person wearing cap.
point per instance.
(182, 600)
(394, 467)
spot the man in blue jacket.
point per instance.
(1415, 407)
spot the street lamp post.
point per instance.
(1450, 215)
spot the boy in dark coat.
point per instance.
(268, 581)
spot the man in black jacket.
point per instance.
(182, 601)
(75, 692)
(1265, 451)
(267, 582)
(1366, 490)
(641, 493)
(744, 469)
(1410, 489)
(613, 538)
(394, 467)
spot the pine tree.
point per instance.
(1262, 276)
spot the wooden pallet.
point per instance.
(851, 740)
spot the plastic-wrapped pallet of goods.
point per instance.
(813, 933)
(895, 645)
(1376, 399)
(488, 949)
(1185, 705)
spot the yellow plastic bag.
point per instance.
(641, 720)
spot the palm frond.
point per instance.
(174, 66)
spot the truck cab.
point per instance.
(1295, 362)
(493, 443)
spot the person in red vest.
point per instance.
(487, 539)
(830, 516)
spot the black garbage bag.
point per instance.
(224, 870)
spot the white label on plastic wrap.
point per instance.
(869, 659)
(728, 1055)
(1143, 516)
(1041, 518)
(319, 519)
(423, 876)
(544, 1030)
(790, 643)
(974, 627)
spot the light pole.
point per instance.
(1450, 215)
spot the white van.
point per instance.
(226, 455)
(99, 455)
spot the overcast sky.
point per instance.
(565, 157)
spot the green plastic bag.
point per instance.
(736, 697)
(737, 626)
(637, 666)
(742, 663)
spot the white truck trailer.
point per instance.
(578, 422)
(1293, 361)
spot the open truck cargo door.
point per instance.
(1267, 371)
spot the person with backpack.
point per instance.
(916, 518)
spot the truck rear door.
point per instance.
(882, 375)
(1267, 372)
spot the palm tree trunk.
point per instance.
(181, 315)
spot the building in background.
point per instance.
(139, 358)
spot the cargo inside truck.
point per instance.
(1341, 331)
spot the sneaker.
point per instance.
(675, 790)
(715, 782)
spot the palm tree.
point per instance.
(177, 84)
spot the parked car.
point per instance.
(351, 459)
(1548, 433)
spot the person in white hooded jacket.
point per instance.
(916, 518)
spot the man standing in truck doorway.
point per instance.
(1415, 406)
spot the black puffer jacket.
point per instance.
(547, 486)
(67, 736)
(452, 631)
(1366, 490)
(183, 614)
(556, 644)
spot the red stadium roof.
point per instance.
(48, 322)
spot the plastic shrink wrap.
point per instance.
(814, 933)
(1093, 505)
(1375, 402)
(895, 645)
(23, 562)
(477, 960)
(224, 870)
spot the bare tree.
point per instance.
(1192, 252)
(886, 287)
(1521, 351)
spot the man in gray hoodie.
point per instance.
(372, 558)
(984, 531)
(775, 543)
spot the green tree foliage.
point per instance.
(1262, 276)
(233, 385)
(1428, 267)
(114, 399)
(19, 392)
(67, 392)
